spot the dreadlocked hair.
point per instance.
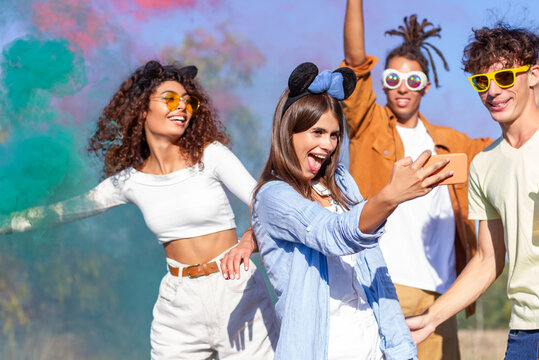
(414, 35)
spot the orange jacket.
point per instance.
(375, 145)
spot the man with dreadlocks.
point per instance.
(504, 188)
(428, 240)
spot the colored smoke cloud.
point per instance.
(79, 21)
(34, 71)
(142, 10)
(40, 153)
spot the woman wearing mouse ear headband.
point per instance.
(318, 238)
(165, 151)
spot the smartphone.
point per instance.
(458, 162)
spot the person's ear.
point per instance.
(426, 89)
(533, 75)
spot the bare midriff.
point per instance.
(200, 249)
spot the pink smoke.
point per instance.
(142, 10)
(165, 4)
(75, 20)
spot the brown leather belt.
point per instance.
(196, 270)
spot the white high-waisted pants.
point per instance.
(201, 317)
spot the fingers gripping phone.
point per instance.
(458, 162)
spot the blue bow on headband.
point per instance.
(305, 80)
(330, 82)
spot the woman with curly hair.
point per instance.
(165, 151)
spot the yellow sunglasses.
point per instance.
(504, 78)
(172, 100)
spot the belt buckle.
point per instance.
(189, 274)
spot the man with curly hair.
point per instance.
(503, 188)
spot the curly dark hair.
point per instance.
(414, 35)
(120, 139)
(512, 46)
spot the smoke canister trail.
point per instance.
(39, 155)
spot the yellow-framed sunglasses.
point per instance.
(173, 99)
(504, 78)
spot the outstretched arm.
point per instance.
(477, 276)
(409, 180)
(354, 34)
(104, 196)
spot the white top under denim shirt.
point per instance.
(350, 315)
(295, 236)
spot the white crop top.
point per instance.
(183, 204)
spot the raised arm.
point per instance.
(360, 110)
(354, 34)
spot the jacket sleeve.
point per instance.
(287, 216)
(360, 107)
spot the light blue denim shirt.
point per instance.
(294, 236)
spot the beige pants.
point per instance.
(443, 344)
(207, 316)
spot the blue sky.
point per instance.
(312, 31)
(290, 32)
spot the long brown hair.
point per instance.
(283, 164)
(120, 139)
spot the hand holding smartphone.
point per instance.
(458, 163)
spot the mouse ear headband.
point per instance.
(189, 71)
(153, 69)
(305, 80)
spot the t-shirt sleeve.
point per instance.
(479, 206)
(108, 194)
(229, 170)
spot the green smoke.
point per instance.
(39, 154)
